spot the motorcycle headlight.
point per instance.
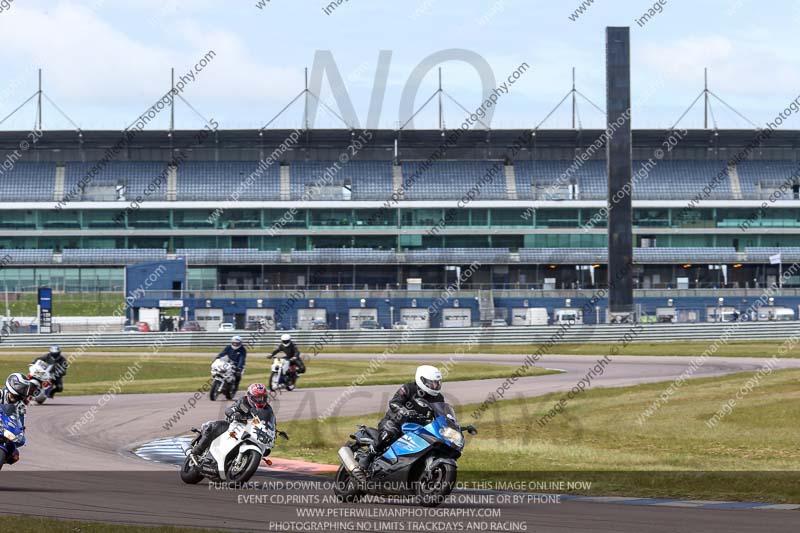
(10, 436)
(453, 436)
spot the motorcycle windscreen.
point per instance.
(445, 414)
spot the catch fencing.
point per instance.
(580, 334)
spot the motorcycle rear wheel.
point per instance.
(246, 467)
(212, 394)
(189, 473)
(3, 457)
(345, 488)
(434, 485)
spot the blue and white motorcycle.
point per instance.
(422, 462)
(13, 436)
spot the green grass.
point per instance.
(761, 348)
(68, 304)
(35, 524)
(91, 374)
(751, 455)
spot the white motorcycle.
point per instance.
(235, 455)
(224, 374)
(42, 374)
(284, 375)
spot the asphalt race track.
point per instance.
(94, 475)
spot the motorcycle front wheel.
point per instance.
(3, 457)
(274, 381)
(345, 488)
(230, 390)
(40, 398)
(434, 485)
(212, 394)
(189, 473)
(243, 467)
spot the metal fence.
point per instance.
(533, 335)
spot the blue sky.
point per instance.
(106, 61)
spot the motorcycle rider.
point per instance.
(17, 392)
(404, 407)
(237, 353)
(291, 352)
(254, 404)
(59, 370)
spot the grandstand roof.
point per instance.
(69, 139)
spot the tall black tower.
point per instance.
(619, 167)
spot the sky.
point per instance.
(105, 62)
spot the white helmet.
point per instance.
(286, 339)
(236, 339)
(429, 379)
(18, 385)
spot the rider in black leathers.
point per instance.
(291, 352)
(252, 405)
(409, 403)
(60, 364)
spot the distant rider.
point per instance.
(237, 353)
(403, 407)
(17, 392)
(254, 404)
(291, 352)
(59, 370)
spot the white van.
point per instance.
(568, 315)
(529, 316)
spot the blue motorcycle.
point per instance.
(13, 435)
(422, 462)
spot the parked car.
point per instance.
(319, 325)
(131, 329)
(401, 324)
(192, 325)
(226, 326)
(499, 323)
(369, 324)
(144, 327)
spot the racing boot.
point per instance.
(368, 457)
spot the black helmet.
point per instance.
(55, 350)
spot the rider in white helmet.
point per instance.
(237, 353)
(291, 352)
(409, 403)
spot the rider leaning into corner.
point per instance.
(60, 364)
(237, 353)
(17, 392)
(403, 407)
(291, 352)
(254, 404)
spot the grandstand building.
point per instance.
(389, 214)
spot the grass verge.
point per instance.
(750, 455)
(97, 374)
